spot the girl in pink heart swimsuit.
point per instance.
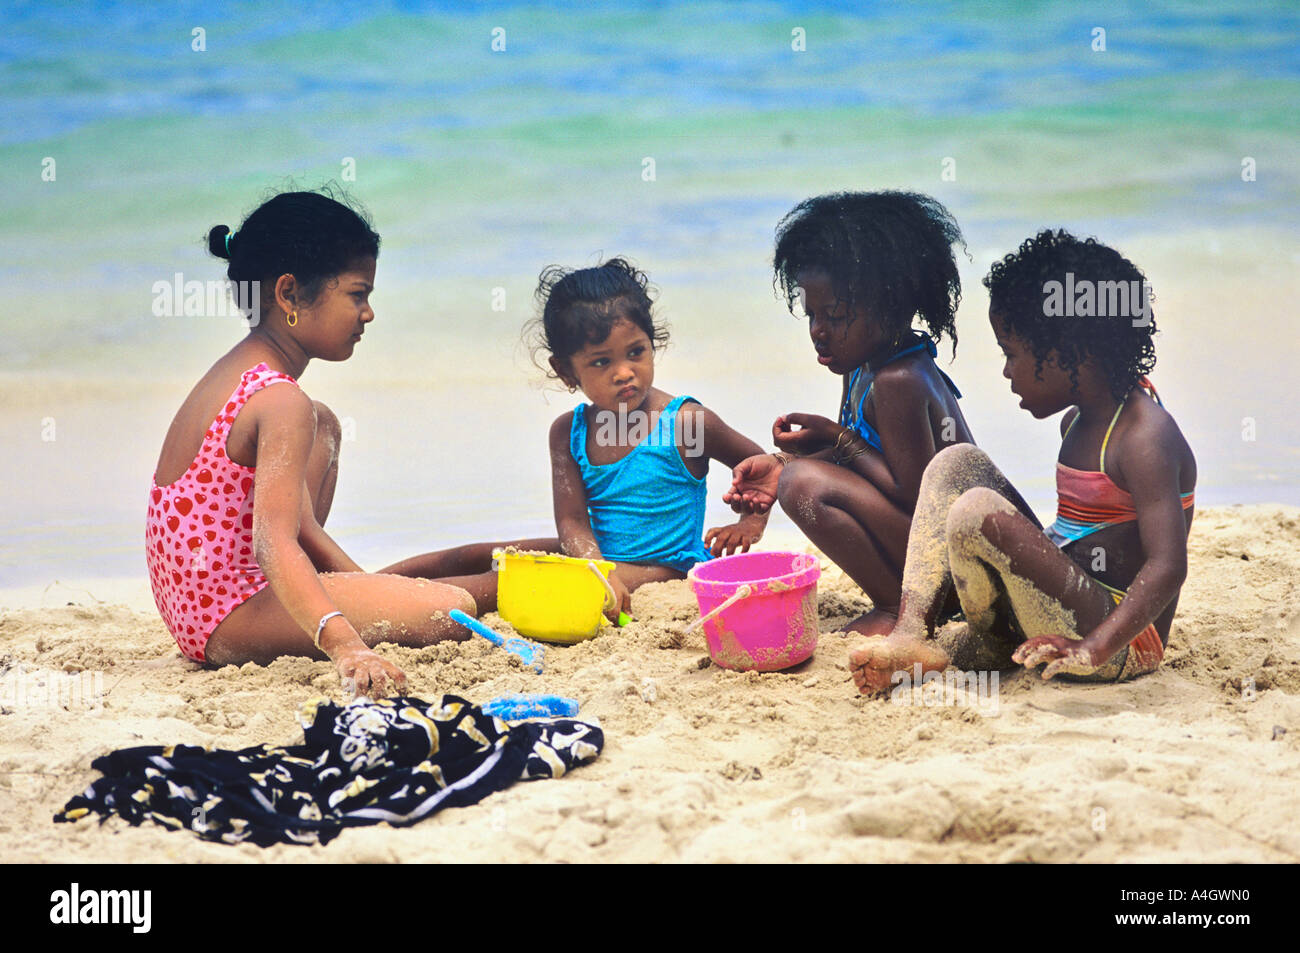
(199, 531)
(241, 567)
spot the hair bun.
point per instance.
(217, 241)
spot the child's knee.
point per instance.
(974, 514)
(329, 431)
(956, 462)
(465, 603)
(798, 485)
(435, 622)
(432, 605)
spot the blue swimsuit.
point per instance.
(647, 507)
(855, 419)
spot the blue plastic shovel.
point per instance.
(530, 653)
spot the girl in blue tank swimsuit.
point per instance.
(628, 469)
(863, 268)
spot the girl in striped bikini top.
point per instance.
(1089, 500)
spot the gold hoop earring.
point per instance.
(572, 389)
(291, 319)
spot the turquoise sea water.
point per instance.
(481, 166)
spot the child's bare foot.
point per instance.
(873, 666)
(875, 622)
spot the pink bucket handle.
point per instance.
(741, 593)
(611, 597)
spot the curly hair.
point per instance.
(580, 307)
(1032, 292)
(311, 235)
(889, 252)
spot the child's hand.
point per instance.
(738, 537)
(753, 484)
(815, 433)
(622, 600)
(1071, 656)
(366, 672)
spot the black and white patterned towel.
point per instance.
(396, 760)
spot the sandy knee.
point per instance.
(956, 459)
(974, 514)
(465, 603)
(799, 491)
(430, 622)
(448, 598)
(329, 431)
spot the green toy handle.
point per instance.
(611, 597)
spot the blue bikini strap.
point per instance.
(925, 342)
(921, 342)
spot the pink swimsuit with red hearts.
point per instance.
(199, 531)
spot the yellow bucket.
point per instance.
(552, 597)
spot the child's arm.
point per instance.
(286, 425)
(325, 554)
(714, 440)
(1153, 478)
(901, 399)
(754, 480)
(572, 522)
(815, 439)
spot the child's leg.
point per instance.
(411, 612)
(1001, 563)
(854, 524)
(926, 577)
(469, 567)
(635, 575)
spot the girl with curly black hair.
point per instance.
(1092, 596)
(864, 267)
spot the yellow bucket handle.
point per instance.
(611, 597)
(731, 600)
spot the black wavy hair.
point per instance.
(1019, 288)
(311, 235)
(889, 252)
(581, 306)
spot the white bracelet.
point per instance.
(320, 626)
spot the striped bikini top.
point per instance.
(1089, 500)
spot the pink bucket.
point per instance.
(759, 610)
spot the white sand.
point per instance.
(703, 764)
